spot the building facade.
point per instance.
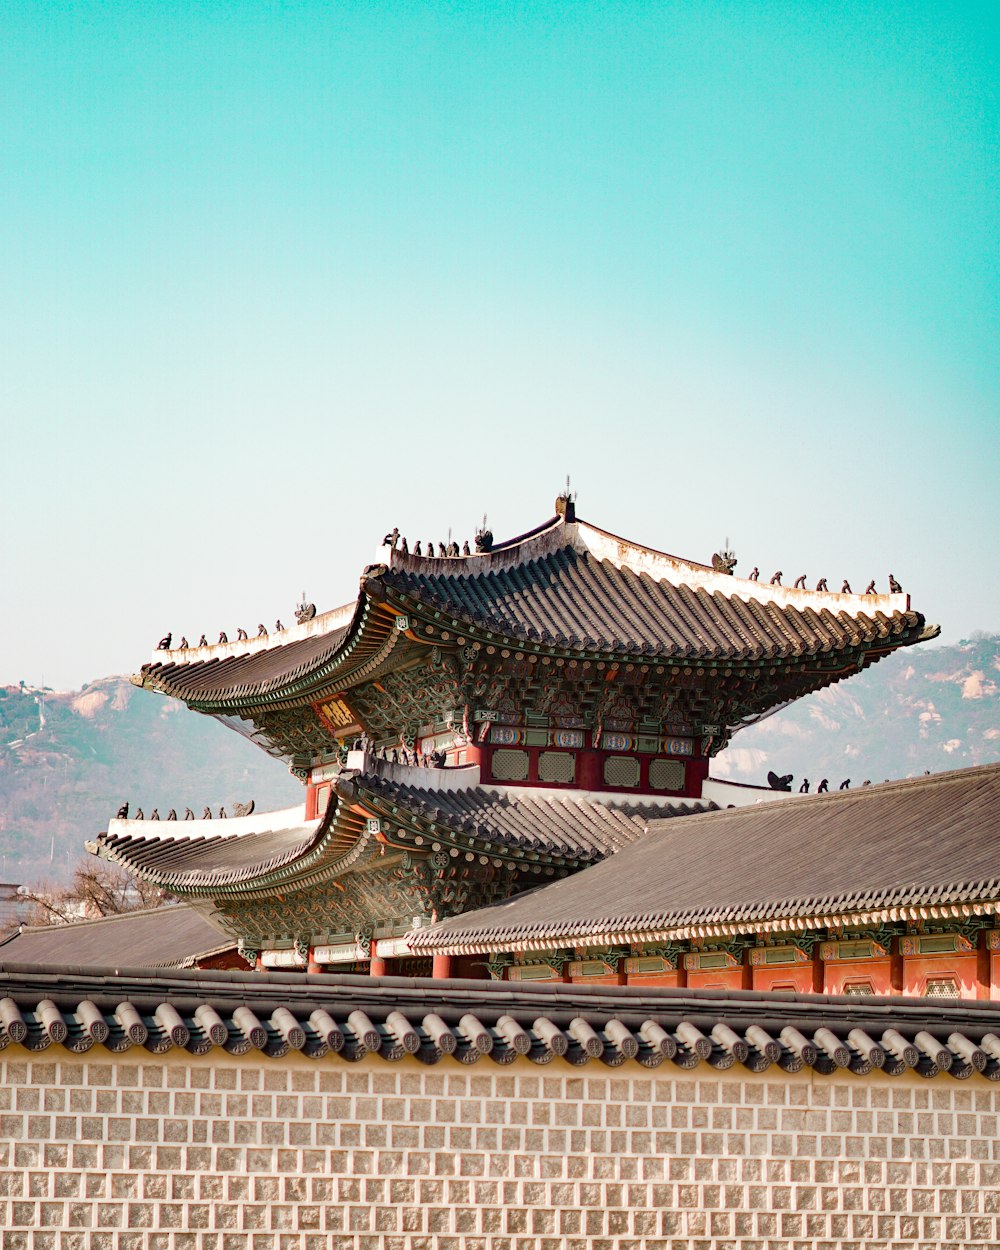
(477, 724)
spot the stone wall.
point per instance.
(184, 1153)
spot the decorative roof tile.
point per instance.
(346, 1017)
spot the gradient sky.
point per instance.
(279, 276)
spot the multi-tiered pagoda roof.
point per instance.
(567, 624)
(472, 724)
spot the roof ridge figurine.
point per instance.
(305, 611)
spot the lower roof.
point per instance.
(929, 842)
(348, 1017)
(159, 937)
(198, 857)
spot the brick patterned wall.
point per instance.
(183, 1153)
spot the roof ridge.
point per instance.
(86, 921)
(862, 792)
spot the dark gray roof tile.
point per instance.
(159, 937)
(906, 843)
(467, 1021)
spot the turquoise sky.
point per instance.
(277, 277)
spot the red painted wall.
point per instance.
(839, 974)
(918, 968)
(797, 977)
(589, 772)
(716, 978)
(671, 979)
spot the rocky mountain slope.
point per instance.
(930, 708)
(69, 759)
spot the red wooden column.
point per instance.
(377, 967)
(441, 969)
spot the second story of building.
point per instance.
(564, 659)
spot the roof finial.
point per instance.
(565, 503)
(305, 611)
(484, 537)
(724, 561)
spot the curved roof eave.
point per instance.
(604, 595)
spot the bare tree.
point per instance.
(97, 889)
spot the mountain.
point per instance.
(69, 759)
(931, 708)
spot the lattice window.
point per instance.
(941, 987)
(860, 989)
(666, 775)
(510, 765)
(556, 766)
(621, 770)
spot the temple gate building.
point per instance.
(475, 725)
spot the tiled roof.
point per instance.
(563, 823)
(570, 586)
(255, 671)
(933, 841)
(482, 1021)
(201, 856)
(209, 853)
(573, 599)
(160, 937)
